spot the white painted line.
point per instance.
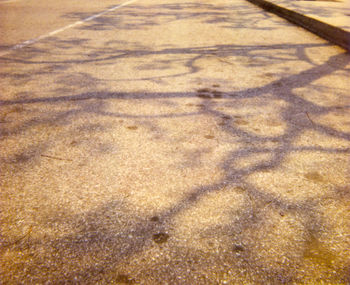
(8, 1)
(35, 40)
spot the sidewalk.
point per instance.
(328, 19)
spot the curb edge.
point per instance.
(329, 32)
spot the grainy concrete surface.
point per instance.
(168, 142)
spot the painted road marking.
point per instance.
(35, 40)
(8, 1)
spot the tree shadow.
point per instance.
(278, 214)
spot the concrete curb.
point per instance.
(331, 33)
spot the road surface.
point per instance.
(170, 142)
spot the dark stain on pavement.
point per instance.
(226, 117)
(238, 247)
(241, 122)
(203, 90)
(209, 137)
(204, 95)
(160, 238)
(155, 219)
(314, 176)
(23, 157)
(240, 189)
(207, 93)
(273, 123)
(217, 94)
(124, 279)
(277, 84)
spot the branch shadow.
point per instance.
(107, 242)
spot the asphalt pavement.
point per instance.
(169, 142)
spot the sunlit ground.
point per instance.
(215, 159)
